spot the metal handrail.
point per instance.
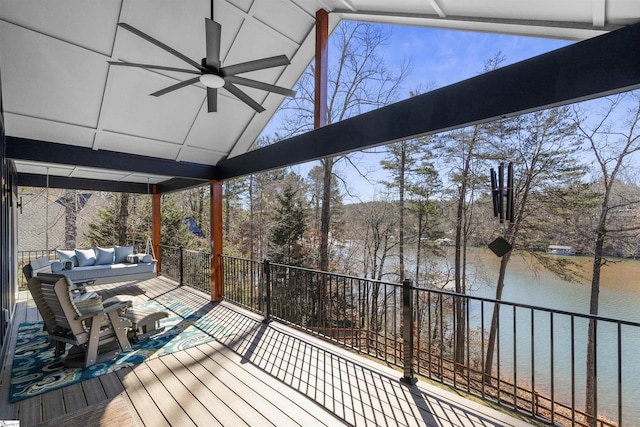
(345, 318)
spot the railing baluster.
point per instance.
(347, 310)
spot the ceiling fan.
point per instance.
(210, 71)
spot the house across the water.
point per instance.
(561, 250)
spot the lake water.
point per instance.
(619, 300)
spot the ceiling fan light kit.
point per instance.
(211, 80)
(211, 74)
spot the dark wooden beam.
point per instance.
(51, 152)
(215, 212)
(592, 68)
(179, 184)
(36, 180)
(320, 114)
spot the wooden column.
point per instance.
(155, 228)
(217, 278)
(320, 116)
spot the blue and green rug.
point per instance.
(37, 370)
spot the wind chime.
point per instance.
(502, 198)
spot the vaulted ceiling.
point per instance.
(68, 113)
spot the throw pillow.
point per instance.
(133, 259)
(121, 253)
(104, 256)
(67, 256)
(57, 266)
(41, 265)
(86, 257)
(144, 257)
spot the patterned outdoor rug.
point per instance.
(37, 370)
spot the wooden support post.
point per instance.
(215, 210)
(155, 228)
(320, 117)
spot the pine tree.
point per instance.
(285, 244)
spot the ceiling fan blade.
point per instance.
(259, 64)
(212, 41)
(243, 97)
(176, 86)
(152, 67)
(260, 85)
(160, 45)
(212, 100)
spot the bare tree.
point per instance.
(614, 140)
(359, 80)
(543, 148)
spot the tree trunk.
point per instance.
(493, 332)
(591, 379)
(70, 212)
(325, 214)
(460, 315)
(122, 220)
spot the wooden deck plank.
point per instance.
(144, 405)
(93, 391)
(74, 398)
(111, 384)
(196, 378)
(171, 410)
(189, 403)
(240, 399)
(52, 405)
(31, 411)
(9, 411)
(299, 408)
(253, 374)
(109, 413)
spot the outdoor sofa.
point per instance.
(98, 265)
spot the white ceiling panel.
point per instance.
(89, 24)
(44, 168)
(196, 155)
(48, 130)
(50, 79)
(209, 130)
(132, 145)
(132, 111)
(87, 173)
(58, 87)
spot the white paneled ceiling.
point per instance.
(57, 85)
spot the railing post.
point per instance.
(407, 332)
(181, 265)
(266, 270)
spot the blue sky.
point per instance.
(443, 57)
(438, 58)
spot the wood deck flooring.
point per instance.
(257, 375)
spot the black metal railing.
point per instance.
(538, 363)
(187, 267)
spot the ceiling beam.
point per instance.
(179, 184)
(436, 7)
(599, 13)
(69, 183)
(51, 152)
(592, 68)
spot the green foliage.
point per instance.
(127, 220)
(105, 230)
(285, 245)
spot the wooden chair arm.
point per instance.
(113, 307)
